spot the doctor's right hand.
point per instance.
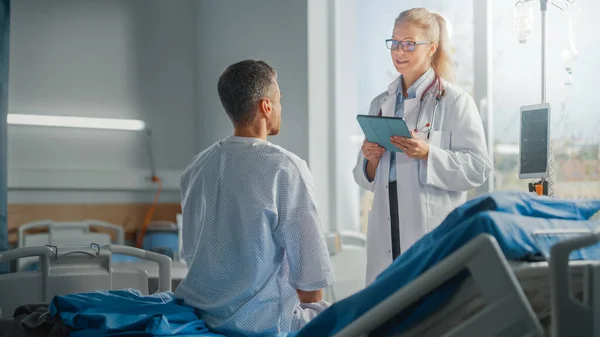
(372, 151)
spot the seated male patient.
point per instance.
(252, 239)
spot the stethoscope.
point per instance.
(441, 92)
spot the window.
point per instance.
(375, 70)
(574, 116)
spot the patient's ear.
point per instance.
(265, 107)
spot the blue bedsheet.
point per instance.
(128, 313)
(511, 217)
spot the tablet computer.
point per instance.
(534, 141)
(379, 129)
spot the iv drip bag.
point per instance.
(523, 20)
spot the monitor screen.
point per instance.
(534, 142)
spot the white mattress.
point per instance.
(535, 281)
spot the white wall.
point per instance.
(158, 61)
(271, 30)
(109, 58)
(280, 33)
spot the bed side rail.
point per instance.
(17, 253)
(570, 316)
(46, 252)
(85, 225)
(164, 262)
(118, 230)
(507, 311)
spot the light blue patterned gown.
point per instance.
(251, 237)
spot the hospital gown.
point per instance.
(251, 237)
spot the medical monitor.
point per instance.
(534, 141)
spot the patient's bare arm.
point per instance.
(310, 296)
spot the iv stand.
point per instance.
(544, 8)
(545, 187)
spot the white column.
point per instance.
(483, 84)
(320, 158)
(345, 65)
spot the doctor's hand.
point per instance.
(415, 148)
(372, 151)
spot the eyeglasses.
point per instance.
(405, 45)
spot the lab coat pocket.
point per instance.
(441, 139)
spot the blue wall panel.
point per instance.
(4, 47)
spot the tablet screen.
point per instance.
(379, 129)
(534, 141)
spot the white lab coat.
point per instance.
(428, 190)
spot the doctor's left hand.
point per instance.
(415, 147)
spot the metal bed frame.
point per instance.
(570, 316)
(74, 270)
(507, 311)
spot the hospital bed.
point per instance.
(501, 298)
(490, 303)
(493, 279)
(65, 234)
(534, 278)
(75, 270)
(82, 234)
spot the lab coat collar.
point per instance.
(429, 76)
(393, 87)
(421, 83)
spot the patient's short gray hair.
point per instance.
(241, 86)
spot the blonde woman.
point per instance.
(415, 188)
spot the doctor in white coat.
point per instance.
(414, 190)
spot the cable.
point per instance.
(158, 182)
(148, 219)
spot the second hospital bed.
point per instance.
(482, 272)
(498, 298)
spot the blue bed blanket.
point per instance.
(128, 313)
(511, 217)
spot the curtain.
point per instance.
(4, 45)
